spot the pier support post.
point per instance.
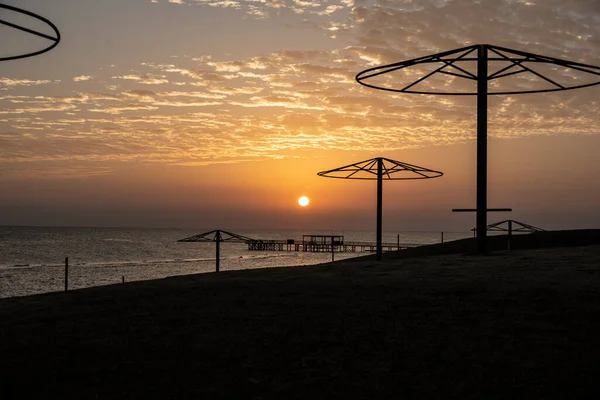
(332, 251)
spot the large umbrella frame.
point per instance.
(454, 63)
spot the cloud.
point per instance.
(82, 78)
(271, 8)
(8, 82)
(223, 108)
(144, 79)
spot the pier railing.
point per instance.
(341, 247)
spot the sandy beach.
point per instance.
(519, 324)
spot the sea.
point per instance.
(33, 259)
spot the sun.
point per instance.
(303, 201)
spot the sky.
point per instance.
(219, 114)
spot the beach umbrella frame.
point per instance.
(217, 236)
(483, 55)
(380, 168)
(511, 226)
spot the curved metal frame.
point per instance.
(378, 168)
(450, 59)
(450, 62)
(372, 167)
(56, 39)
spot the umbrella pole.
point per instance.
(379, 206)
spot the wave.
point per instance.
(106, 263)
(149, 262)
(27, 266)
(266, 256)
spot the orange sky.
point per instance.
(170, 119)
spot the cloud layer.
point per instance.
(197, 110)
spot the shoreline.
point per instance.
(520, 323)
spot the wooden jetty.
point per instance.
(322, 243)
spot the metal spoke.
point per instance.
(22, 28)
(500, 71)
(507, 74)
(530, 70)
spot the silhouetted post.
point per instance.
(482, 103)
(509, 232)
(123, 279)
(332, 252)
(442, 237)
(217, 257)
(481, 215)
(379, 206)
(66, 274)
(398, 239)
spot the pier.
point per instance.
(309, 243)
(322, 243)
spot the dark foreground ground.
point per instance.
(524, 324)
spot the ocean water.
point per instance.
(32, 259)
